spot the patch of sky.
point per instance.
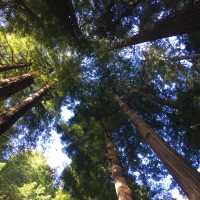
(135, 53)
(89, 69)
(53, 148)
(53, 152)
(164, 183)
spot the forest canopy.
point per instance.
(129, 70)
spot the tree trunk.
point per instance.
(123, 191)
(186, 21)
(12, 85)
(185, 176)
(8, 118)
(14, 66)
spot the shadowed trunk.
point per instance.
(186, 21)
(183, 173)
(14, 66)
(8, 118)
(12, 85)
(123, 191)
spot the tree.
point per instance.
(27, 176)
(123, 191)
(12, 85)
(172, 25)
(87, 154)
(9, 67)
(8, 118)
(48, 24)
(183, 173)
(86, 78)
(51, 64)
(90, 149)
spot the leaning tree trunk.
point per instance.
(12, 85)
(8, 118)
(123, 191)
(185, 175)
(186, 21)
(14, 66)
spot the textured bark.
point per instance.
(186, 21)
(8, 118)
(123, 191)
(12, 85)
(14, 66)
(183, 173)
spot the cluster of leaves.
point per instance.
(163, 88)
(27, 176)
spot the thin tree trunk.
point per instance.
(183, 173)
(186, 21)
(8, 118)
(14, 66)
(123, 191)
(12, 85)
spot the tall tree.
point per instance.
(92, 147)
(12, 85)
(8, 118)
(186, 176)
(5, 68)
(184, 21)
(123, 191)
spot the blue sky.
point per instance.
(53, 148)
(58, 160)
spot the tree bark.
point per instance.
(8, 118)
(186, 21)
(183, 173)
(12, 85)
(123, 191)
(14, 66)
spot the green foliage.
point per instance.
(51, 66)
(33, 191)
(60, 195)
(24, 172)
(27, 176)
(34, 18)
(68, 42)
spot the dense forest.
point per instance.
(129, 70)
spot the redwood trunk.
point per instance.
(123, 191)
(14, 66)
(12, 85)
(183, 173)
(7, 119)
(186, 21)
